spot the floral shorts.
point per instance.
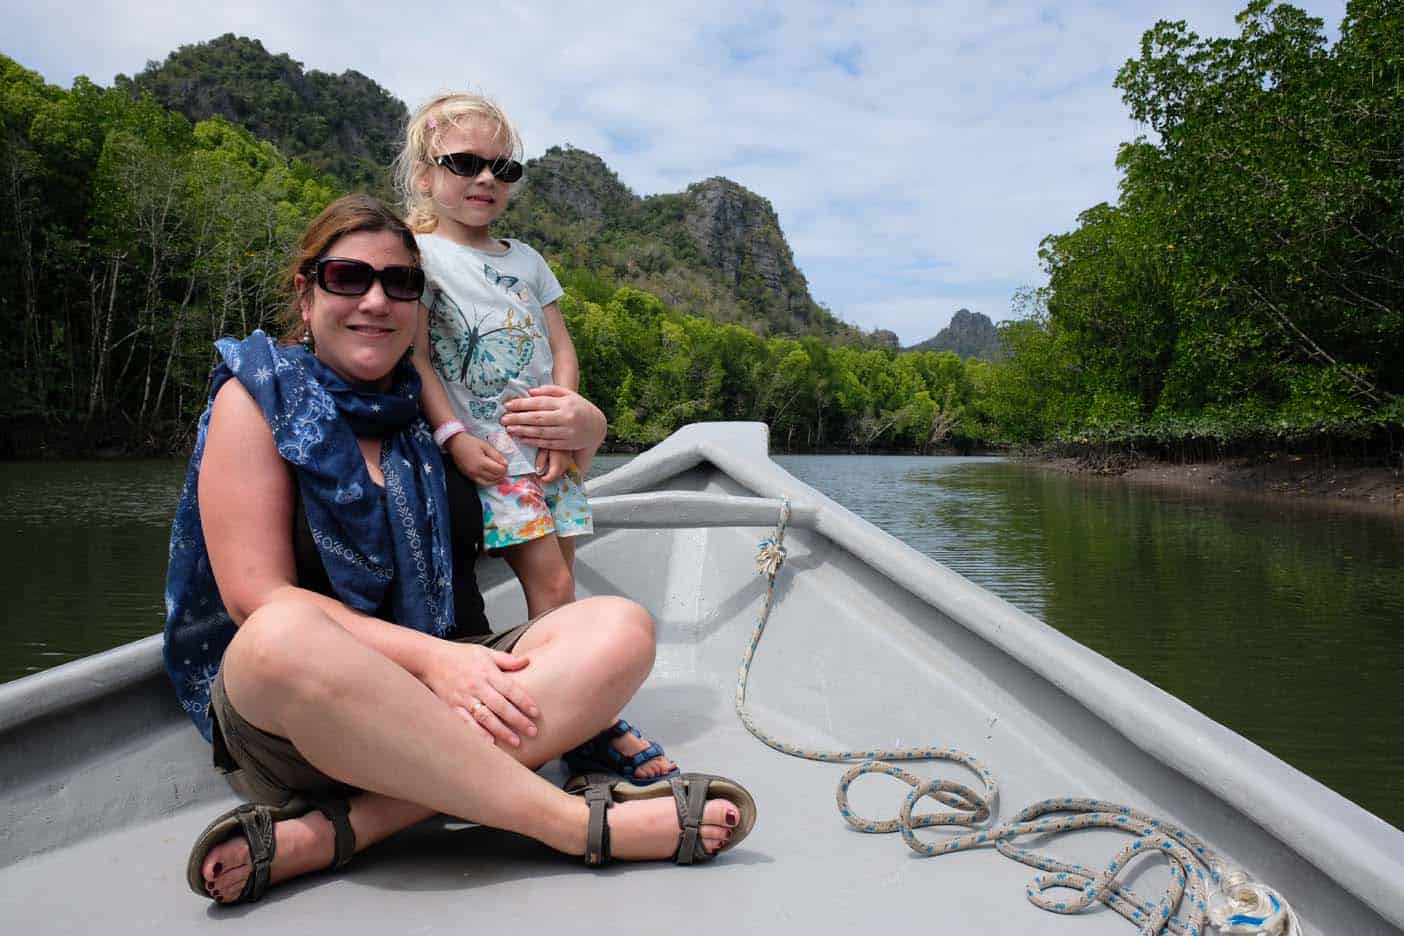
(520, 509)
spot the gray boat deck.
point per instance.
(848, 660)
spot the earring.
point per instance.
(307, 339)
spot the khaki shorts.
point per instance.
(266, 768)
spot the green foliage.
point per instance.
(1248, 282)
(1246, 287)
(653, 368)
(344, 125)
(140, 240)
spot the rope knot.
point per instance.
(770, 557)
(772, 549)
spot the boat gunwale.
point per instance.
(1360, 852)
(77, 682)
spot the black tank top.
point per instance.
(465, 532)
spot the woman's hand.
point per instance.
(555, 418)
(477, 684)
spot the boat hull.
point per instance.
(104, 784)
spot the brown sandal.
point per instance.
(255, 822)
(690, 792)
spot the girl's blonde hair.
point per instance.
(424, 135)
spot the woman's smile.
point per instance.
(372, 331)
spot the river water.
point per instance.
(1281, 621)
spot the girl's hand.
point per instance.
(555, 464)
(476, 459)
(476, 683)
(553, 417)
(583, 459)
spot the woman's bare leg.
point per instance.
(308, 843)
(293, 672)
(627, 745)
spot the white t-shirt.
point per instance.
(487, 333)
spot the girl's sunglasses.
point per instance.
(470, 164)
(342, 277)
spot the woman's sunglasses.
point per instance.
(470, 164)
(342, 277)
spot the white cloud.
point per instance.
(916, 153)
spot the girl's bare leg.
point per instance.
(295, 673)
(567, 544)
(545, 576)
(628, 744)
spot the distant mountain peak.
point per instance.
(970, 334)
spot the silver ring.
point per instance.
(473, 709)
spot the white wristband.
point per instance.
(447, 431)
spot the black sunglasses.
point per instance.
(342, 277)
(470, 164)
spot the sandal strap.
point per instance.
(598, 753)
(690, 798)
(599, 799)
(338, 812)
(628, 763)
(257, 823)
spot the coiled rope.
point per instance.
(1202, 886)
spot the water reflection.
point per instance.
(84, 549)
(1281, 622)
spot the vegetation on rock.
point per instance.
(1245, 290)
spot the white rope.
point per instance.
(1201, 888)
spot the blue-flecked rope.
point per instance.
(1181, 909)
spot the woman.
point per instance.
(317, 605)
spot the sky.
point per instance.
(916, 153)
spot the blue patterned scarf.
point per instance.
(372, 545)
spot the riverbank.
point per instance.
(1311, 479)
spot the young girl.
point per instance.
(492, 333)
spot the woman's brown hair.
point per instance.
(349, 214)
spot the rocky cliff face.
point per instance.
(716, 248)
(579, 186)
(738, 233)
